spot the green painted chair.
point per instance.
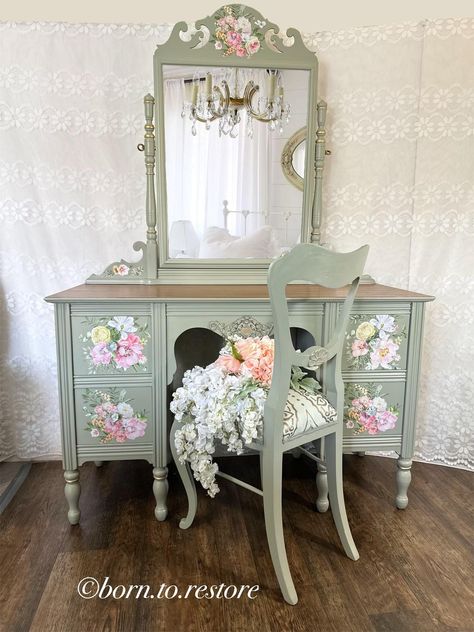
(292, 419)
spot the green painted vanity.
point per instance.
(131, 386)
(238, 182)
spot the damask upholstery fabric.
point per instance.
(400, 177)
(305, 412)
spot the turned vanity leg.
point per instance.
(72, 491)
(322, 502)
(403, 481)
(160, 490)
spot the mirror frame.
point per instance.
(187, 46)
(192, 45)
(286, 160)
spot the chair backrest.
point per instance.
(317, 265)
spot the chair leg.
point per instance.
(336, 493)
(271, 472)
(188, 481)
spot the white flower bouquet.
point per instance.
(225, 401)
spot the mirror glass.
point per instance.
(227, 197)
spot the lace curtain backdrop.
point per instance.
(400, 177)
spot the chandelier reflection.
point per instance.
(208, 102)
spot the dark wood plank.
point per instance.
(415, 570)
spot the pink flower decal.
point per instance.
(111, 417)
(367, 411)
(359, 348)
(233, 38)
(115, 343)
(100, 354)
(253, 45)
(129, 352)
(374, 343)
(237, 34)
(384, 353)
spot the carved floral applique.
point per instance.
(115, 343)
(111, 417)
(237, 34)
(374, 343)
(367, 410)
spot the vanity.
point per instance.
(234, 148)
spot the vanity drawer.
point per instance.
(108, 417)
(376, 342)
(111, 344)
(373, 408)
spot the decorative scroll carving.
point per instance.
(245, 326)
(123, 270)
(317, 356)
(206, 32)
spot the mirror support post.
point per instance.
(151, 254)
(319, 167)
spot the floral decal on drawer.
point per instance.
(111, 417)
(367, 410)
(115, 343)
(373, 344)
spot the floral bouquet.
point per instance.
(116, 343)
(375, 343)
(111, 416)
(225, 401)
(368, 411)
(235, 35)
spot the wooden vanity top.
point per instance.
(168, 293)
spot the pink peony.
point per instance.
(369, 422)
(386, 420)
(384, 352)
(134, 428)
(129, 351)
(229, 363)
(359, 348)
(253, 45)
(110, 425)
(120, 436)
(233, 38)
(100, 354)
(240, 51)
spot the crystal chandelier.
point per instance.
(209, 102)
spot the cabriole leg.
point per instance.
(160, 490)
(72, 491)
(403, 481)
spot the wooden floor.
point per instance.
(415, 571)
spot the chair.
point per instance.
(291, 420)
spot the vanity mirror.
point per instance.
(231, 91)
(293, 158)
